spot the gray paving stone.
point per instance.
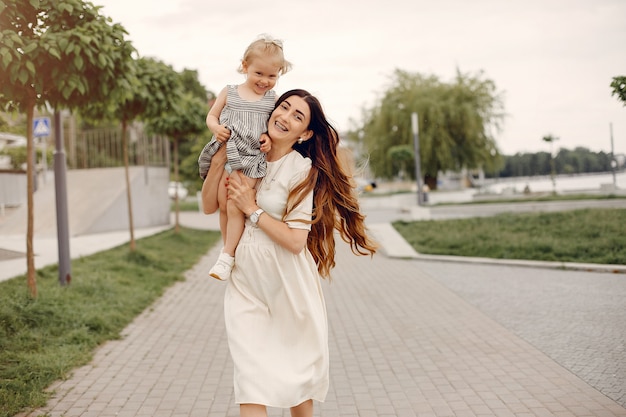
(402, 344)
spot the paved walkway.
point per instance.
(402, 344)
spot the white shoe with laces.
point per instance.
(223, 267)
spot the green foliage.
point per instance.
(153, 89)
(43, 340)
(192, 85)
(13, 123)
(185, 118)
(550, 138)
(18, 155)
(189, 152)
(586, 236)
(184, 123)
(455, 123)
(619, 88)
(187, 205)
(401, 156)
(577, 161)
(63, 52)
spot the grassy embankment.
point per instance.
(42, 340)
(586, 236)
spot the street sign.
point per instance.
(41, 127)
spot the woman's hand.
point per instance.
(240, 193)
(244, 197)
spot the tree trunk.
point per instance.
(30, 186)
(176, 224)
(128, 193)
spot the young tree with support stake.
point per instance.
(155, 90)
(60, 52)
(185, 119)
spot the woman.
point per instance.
(274, 305)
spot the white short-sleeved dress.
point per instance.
(274, 305)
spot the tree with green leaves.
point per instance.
(154, 91)
(401, 156)
(619, 88)
(192, 85)
(456, 124)
(183, 121)
(60, 52)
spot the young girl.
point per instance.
(239, 118)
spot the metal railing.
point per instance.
(103, 148)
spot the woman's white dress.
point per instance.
(274, 305)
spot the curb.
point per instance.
(394, 246)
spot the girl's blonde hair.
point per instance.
(265, 46)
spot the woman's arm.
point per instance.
(294, 240)
(212, 182)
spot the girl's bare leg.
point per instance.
(303, 410)
(236, 221)
(222, 201)
(252, 410)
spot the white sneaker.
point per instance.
(223, 267)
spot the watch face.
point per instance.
(254, 217)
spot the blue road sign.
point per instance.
(41, 127)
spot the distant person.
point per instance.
(238, 118)
(274, 306)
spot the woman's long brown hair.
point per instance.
(335, 204)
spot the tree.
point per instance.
(154, 90)
(192, 85)
(60, 52)
(456, 121)
(186, 118)
(619, 88)
(401, 156)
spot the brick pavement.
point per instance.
(402, 344)
(575, 317)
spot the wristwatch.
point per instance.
(254, 217)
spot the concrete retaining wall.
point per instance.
(97, 202)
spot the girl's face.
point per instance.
(290, 121)
(261, 74)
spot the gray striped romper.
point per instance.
(247, 120)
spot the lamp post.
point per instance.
(416, 146)
(551, 139)
(60, 186)
(613, 161)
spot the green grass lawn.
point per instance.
(42, 340)
(587, 236)
(185, 205)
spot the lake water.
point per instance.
(564, 184)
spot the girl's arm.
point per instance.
(294, 240)
(221, 132)
(266, 143)
(212, 182)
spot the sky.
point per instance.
(552, 61)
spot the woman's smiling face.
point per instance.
(289, 120)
